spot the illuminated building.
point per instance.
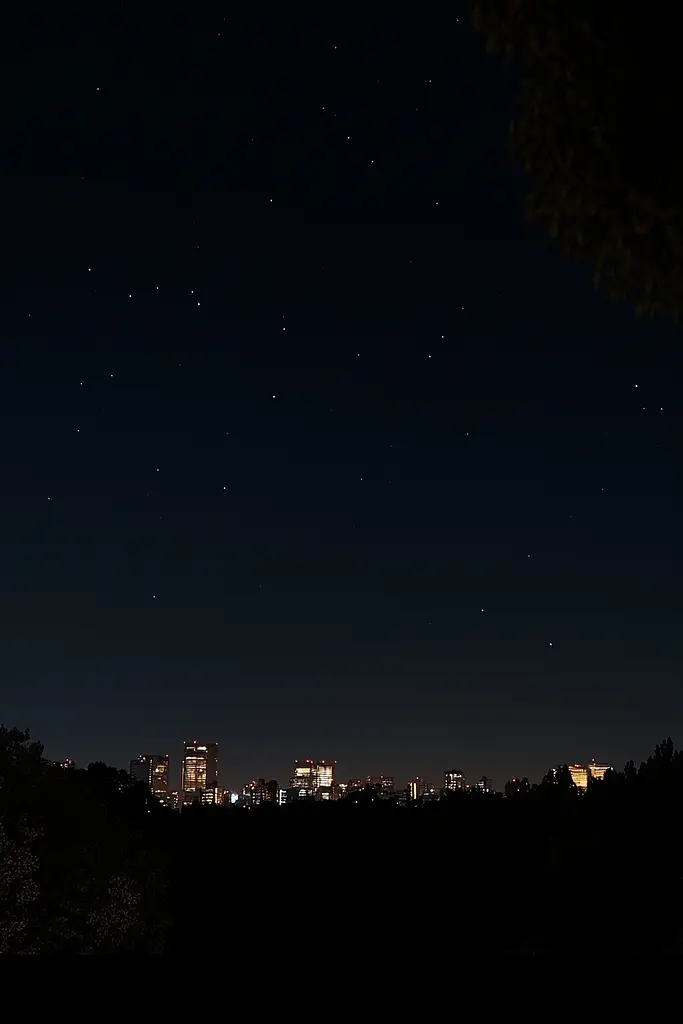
(313, 778)
(254, 792)
(213, 795)
(484, 785)
(384, 784)
(453, 780)
(152, 769)
(354, 784)
(598, 771)
(579, 776)
(302, 779)
(323, 777)
(419, 789)
(413, 788)
(200, 768)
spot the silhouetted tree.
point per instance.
(515, 788)
(598, 132)
(74, 877)
(557, 784)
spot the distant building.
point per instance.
(302, 779)
(353, 785)
(213, 795)
(413, 788)
(453, 780)
(323, 779)
(384, 784)
(67, 764)
(152, 769)
(420, 789)
(261, 792)
(255, 792)
(598, 771)
(579, 776)
(313, 778)
(484, 785)
(199, 769)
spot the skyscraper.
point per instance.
(152, 769)
(323, 779)
(313, 778)
(302, 779)
(200, 767)
(579, 776)
(453, 780)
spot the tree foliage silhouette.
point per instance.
(598, 134)
(74, 876)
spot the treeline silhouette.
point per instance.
(91, 863)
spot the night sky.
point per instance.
(310, 445)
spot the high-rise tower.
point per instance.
(152, 769)
(200, 767)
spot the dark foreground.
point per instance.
(91, 864)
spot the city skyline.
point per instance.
(310, 775)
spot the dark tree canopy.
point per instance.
(599, 134)
(75, 876)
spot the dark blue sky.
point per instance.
(290, 393)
